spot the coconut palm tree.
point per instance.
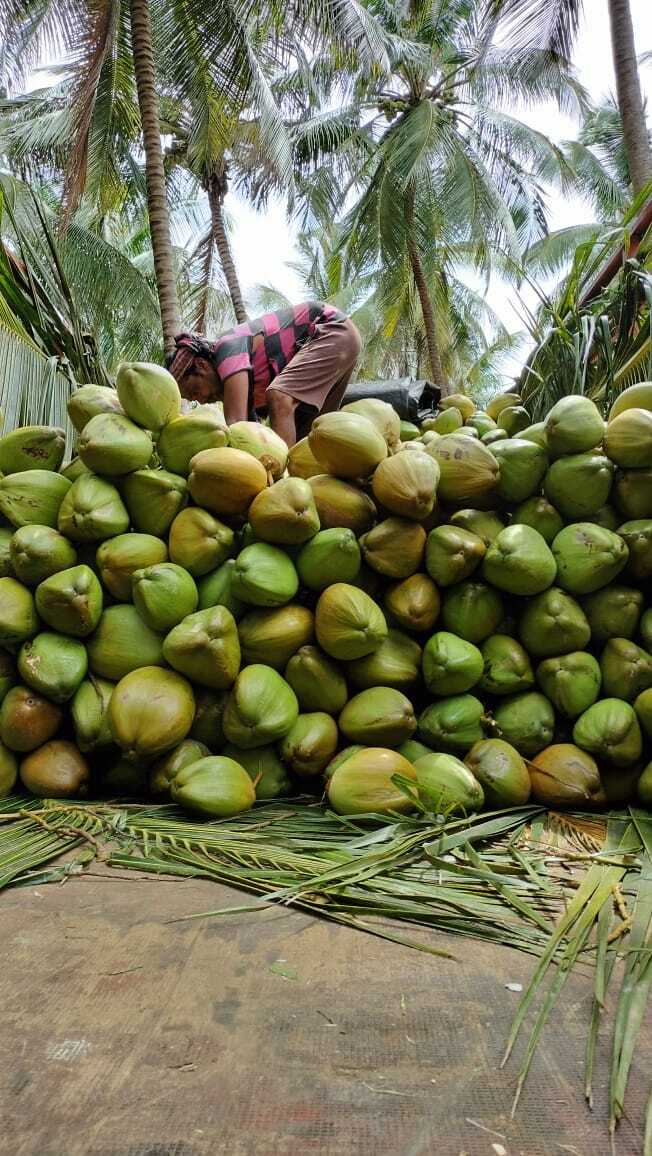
(554, 24)
(427, 157)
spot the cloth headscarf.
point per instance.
(188, 347)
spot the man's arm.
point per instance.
(236, 397)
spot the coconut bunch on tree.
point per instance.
(441, 617)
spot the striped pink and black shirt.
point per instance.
(283, 332)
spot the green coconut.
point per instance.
(265, 769)
(302, 463)
(394, 548)
(408, 431)
(365, 784)
(469, 470)
(382, 415)
(215, 786)
(481, 422)
(501, 772)
(628, 439)
(644, 787)
(500, 402)
(519, 561)
(205, 647)
(396, 663)
(150, 711)
(226, 480)
(507, 668)
(447, 786)
(8, 676)
(588, 557)
(522, 467)
(310, 745)
(71, 601)
(379, 716)
(414, 603)
(538, 513)
(8, 771)
(199, 542)
(453, 724)
(345, 754)
(163, 594)
(412, 750)
(452, 554)
(27, 719)
(33, 497)
(565, 776)
(494, 435)
(448, 421)
(643, 708)
(164, 769)
(514, 419)
(330, 556)
(645, 628)
(258, 440)
(118, 559)
(609, 729)
(53, 665)
(346, 445)
(148, 394)
(285, 513)
(273, 635)
(153, 499)
(204, 428)
(215, 590)
(487, 524)
(18, 617)
(89, 400)
(626, 669)
(263, 575)
(92, 510)
(553, 623)
(56, 770)
(39, 447)
(579, 485)
(341, 504)
(36, 552)
(89, 710)
(536, 433)
(112, 444)
(316, 680)
(6, 565)
(122, 643)
(450, 664)
(348, 623)
(632, 492)
(573, 425)
(472, 610)
(613, 612)
(209, 711)
(261, 708)
(459, 401)
(527, 721)
(637, 396)
(572, 682)
(637, 536)
(406, 485)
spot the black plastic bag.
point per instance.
(412, 400)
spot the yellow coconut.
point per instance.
(226, 480)
(406, 484)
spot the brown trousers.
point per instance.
(320, 371)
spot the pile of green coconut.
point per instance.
(398, 618)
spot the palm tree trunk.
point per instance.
(628, 90)
(427, 310)
(217, 187)
(157, 206)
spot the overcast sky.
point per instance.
(263, 243)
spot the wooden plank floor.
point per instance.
(125, 1034)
